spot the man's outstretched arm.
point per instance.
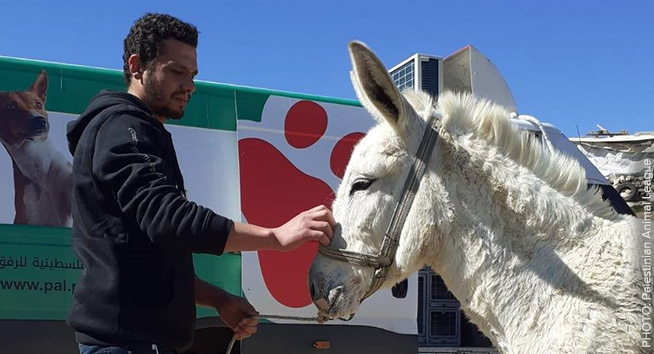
(313, 225)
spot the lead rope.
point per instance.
(278, 317)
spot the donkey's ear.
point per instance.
(375, 89)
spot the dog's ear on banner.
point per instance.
(40, 85)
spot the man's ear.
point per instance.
(136, 66)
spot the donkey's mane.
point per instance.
(464, 113)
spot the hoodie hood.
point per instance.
(105, 99)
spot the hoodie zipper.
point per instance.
(177, 173)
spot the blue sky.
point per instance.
(571, 63)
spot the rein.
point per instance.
(279, 317)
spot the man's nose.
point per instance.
(189, 86)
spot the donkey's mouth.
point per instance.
(324, 316)
(335, 306)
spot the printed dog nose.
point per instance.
(38, 123)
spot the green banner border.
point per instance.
(213, 106)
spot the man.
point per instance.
(133, 227)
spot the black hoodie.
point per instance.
(133, 229)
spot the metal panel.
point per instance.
(444, 327)
(431, 75)
(299, 339)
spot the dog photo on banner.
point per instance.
(36, 171)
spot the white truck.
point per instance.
(251, 154)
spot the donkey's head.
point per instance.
(480, 163)
(372, 186)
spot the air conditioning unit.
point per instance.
(466, 70)
(419, 71)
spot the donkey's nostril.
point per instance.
(312, 290)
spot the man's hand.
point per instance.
(312, 225)
(238, 314)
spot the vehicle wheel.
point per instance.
(627, 191)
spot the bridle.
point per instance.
(383, 260)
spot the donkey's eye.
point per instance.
(361, 185)
(38, 105)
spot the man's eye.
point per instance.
(361, 185)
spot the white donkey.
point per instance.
(541, 264)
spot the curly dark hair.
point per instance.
(147, 33)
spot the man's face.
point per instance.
(168, 80)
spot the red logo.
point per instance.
(274, 190)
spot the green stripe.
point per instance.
(34, 235)
(50, 243)
(213, 105)
(250, 105)
(301, 96)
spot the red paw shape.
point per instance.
(274, 190)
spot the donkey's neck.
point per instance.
(507, 252)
